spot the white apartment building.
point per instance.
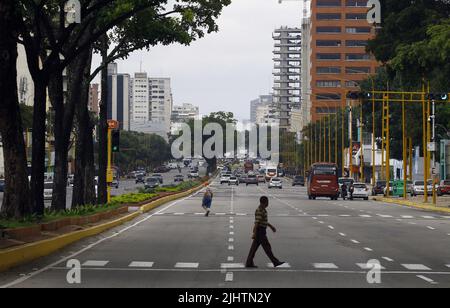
(306, 73)
(266, 114)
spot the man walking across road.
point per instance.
(207, 201)
(260, 235)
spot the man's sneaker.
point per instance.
(278, 264)
(207, 214)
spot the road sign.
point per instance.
(431, 146)
(113, 124)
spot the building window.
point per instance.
(328, 84)
(328, 3)
(326, 110)
(328, 16)
(328, 96)
(352, 84)
(351, 43)
(356, 16)
(357, 70)
(357, 57)
(328, 70)
(356, 3)
(328, 43)
(358, 30)
(328, 56)
(328, 29)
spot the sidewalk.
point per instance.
(441, 207)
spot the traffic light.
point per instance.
(115, 141)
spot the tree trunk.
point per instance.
(16, 199)
(103, 129)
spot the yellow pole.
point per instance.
(109, 171)
(405, 174)
(361, 143)
(425, 150)
(336, 139)
(329, 138)
(320, 139)
(410, 158)
(350, 148)
(373, 135)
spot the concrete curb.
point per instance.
(19, 255)
(426, 207)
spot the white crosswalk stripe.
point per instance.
(325, 266)
(368, 266)
(186, 265)
(416, 267)
(285, 265)
(232, 265)
(139, 264)
(95, 263)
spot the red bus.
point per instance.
(323, 181)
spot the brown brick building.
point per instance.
(339, 34)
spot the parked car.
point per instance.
(233, 181)
(152, 183)
(298, 180)
(360, 191)
(140, 178)
(48, 190)
(252, 179)
(378, 189)
(2, 185)
(159, 177)
(445, 187)
(275, 183)
(178, 178)
(225, 178)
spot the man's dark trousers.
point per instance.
(261, 239)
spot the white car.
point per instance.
(233, 181)
(361, 191)
(275, 183)
(225, 178)
(193, 175)
(48, 190)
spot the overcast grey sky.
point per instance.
(224, 70)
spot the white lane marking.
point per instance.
(388, 259)
(407, 217)
(331, 227)
(230, 247)
(95, 263)
(344, 215)
(178, 214)
(431, 228)
(368, 266)
(416, 267)
(368, 249)
(241, 214)
(231, 240)
(139, 264)
(325, 266)
(231, 232)
(365, 216)
(343, 234)
(285, 265)
(384, 216)
(186, 265)
(321, 222)
(230, 259)
(229, 277)
(323, 215)
(355, 241)
(428, 217)
(429, 280)
(232, 265)
(315, 218)
(199, 214)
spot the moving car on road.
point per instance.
(152, 183)
(275, 183)
(225, 177)
(252, 179)
(323, 181)
(261, 178)
(360, 191)
(233, 181)
(178, 178)
(298, 180)
(271, 173)
(159, 177)
(378, 189)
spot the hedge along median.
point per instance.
(19, 255)
(424, 206)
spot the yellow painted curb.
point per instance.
(415, 205)
(29, 252)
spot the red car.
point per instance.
(445, 187)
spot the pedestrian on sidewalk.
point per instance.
(260, 235)
(207, 201)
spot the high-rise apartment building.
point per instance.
(262, 100)
(184, 113)
(119, 97)
(339, 33)
(287, 58)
